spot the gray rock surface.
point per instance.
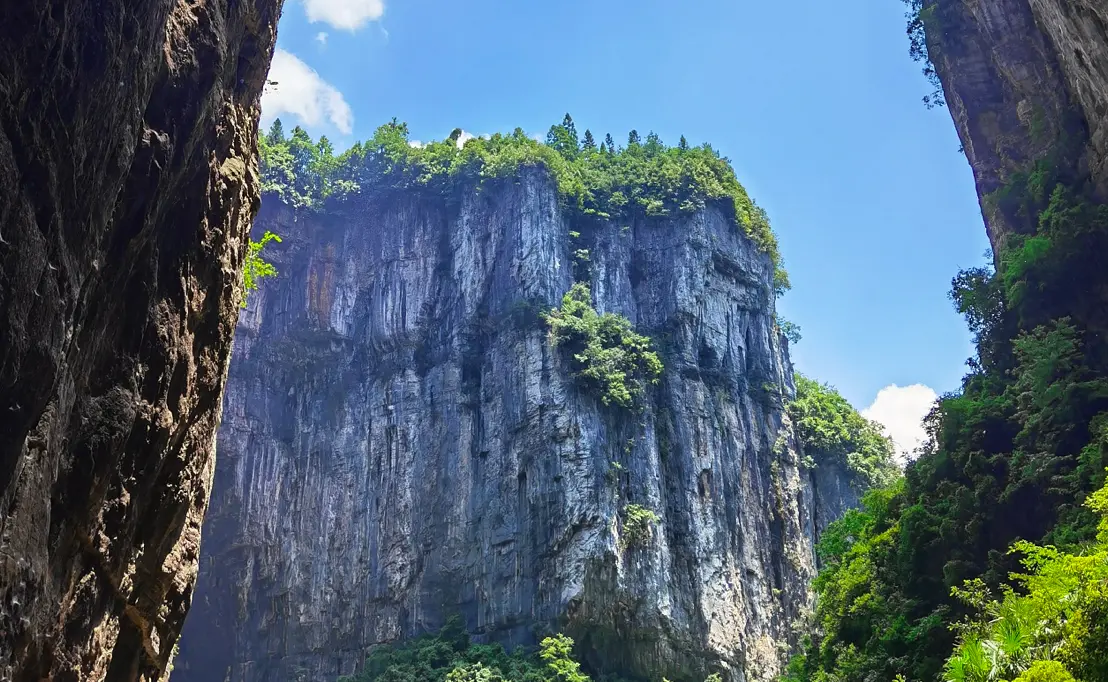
(400, 442)
(1024, 79)
(128, 183)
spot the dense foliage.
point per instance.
(608, 356)
(1009, 459)
(830, 427)
(1053, 626)
(642, 179)
(450, 656)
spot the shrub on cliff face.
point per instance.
(256, 268)
(642, 180)
(608, 355)
(638, 526)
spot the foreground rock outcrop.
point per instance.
(400, 442)
(1025, 80)
(127, 185)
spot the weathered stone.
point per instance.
(1024, 79)
(401, 442)
(127, 185)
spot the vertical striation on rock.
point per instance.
(1024, 80)
(127, 184)
(400, 442)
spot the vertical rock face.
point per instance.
(400, 442)
(1024, 79)
(127, 184)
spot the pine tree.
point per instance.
(611, 143)
(567, 123)
(603, 148)
(633, 139)
(564, 138)
(589, 143)
(683, 145)
(276, 133)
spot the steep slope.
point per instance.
(1014, 454)
(1024, 80)
(402, 442)
(127, 185)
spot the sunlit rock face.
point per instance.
(400, 442)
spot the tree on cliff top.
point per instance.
(647, 181)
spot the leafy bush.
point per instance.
(607, 354)
(1045, 671)
(638, 526)
(790, 329)
(827, 424)
(641, 180)
(256, 268)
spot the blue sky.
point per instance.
(816, 104)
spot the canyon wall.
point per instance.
(1024, 80)
(400, 442)
(128, 183)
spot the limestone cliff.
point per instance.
(127, 185)
(401, 442)
(1024, 79)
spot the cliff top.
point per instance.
(644, 178)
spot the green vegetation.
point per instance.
(255, 268)
(608, 356)
(638, 526)
(1009, 461)
(827, 424)
(791, 330)
(644, 179)
(450, 656)
(924, 15)
(1052, 626)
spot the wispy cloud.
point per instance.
(299, 91)
(321, 37)
(901, 409)
(346, 15)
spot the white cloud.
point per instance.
(463, 138)
(349, 15)
(301, 92)
(321, 37)
(415, 143)
(901, 409)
